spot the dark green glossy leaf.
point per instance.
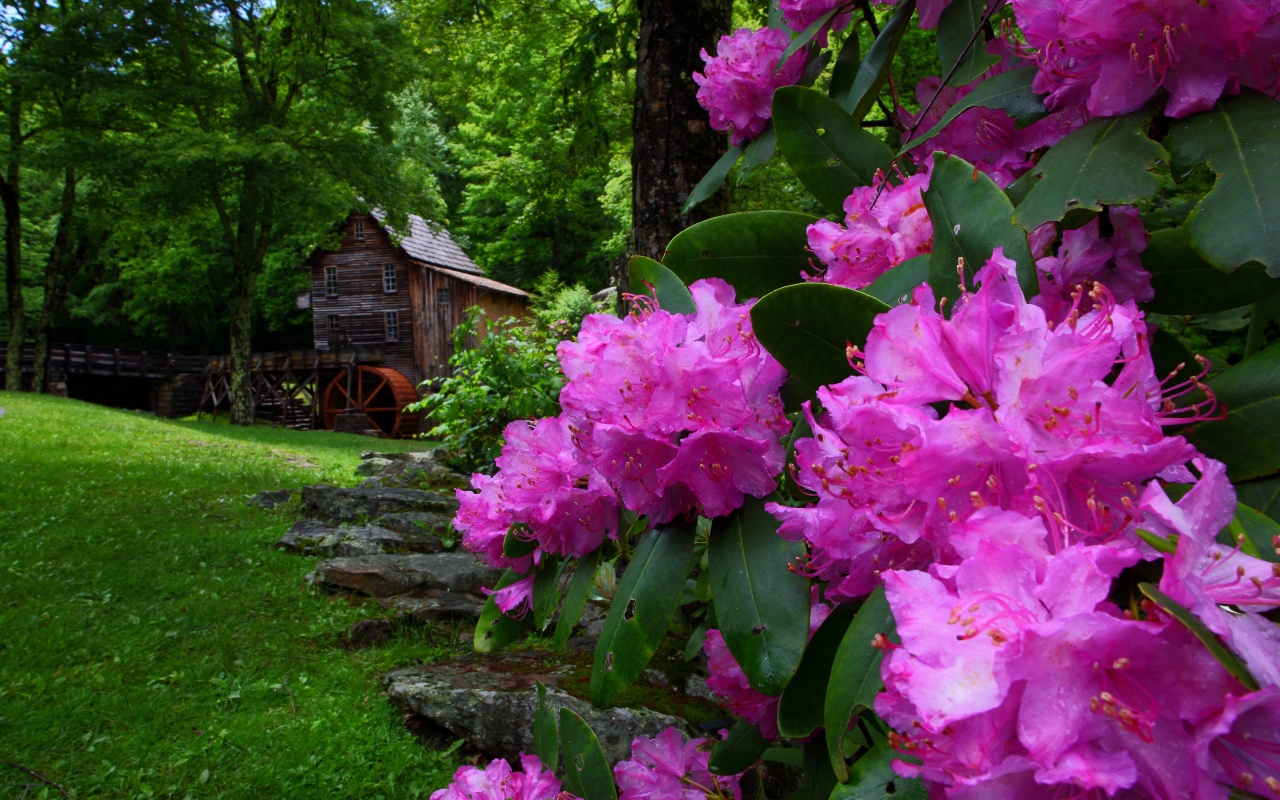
(495, 630)
(961, 42)
(804, 37)
(1185, 283)
(807, 327)
(872, 778)
(800, 709)
(1238, 222)
(1259, 530)
(826, 149)
(1108, 160)
(1169, 354)
(1010, 92)
(586, 770)
(713, 180)
(896, 286)
(855, 674)
(817, 63)
(1210, 640)
(575, 597)
(1160, 543)
(668, 289)
(642, 609)
(875, 67)
(762, 607)
(845, 70)
(546, 732)
(518, 542)
(755, 251)
(970, 218)
(1248, 439)
(546, 592)
(1262, 495)
(742, 748)
(819, 780)
(758, 153)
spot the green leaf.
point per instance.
(1262, 495)
(819, 780)
(805, 37)
(546, 732)
(875, 67)
(713, 180)
(1185, 283)
(546, 592)
(961, 43)
(846, 69)
(872, 778)
(761, 605)
(1160, 543)
(1108, 160)
(896, 286)
(800, 710)
(1238, 222)
(1259, 530)
(1210, 640)
(855, 674)
(495, 630)
(742, 748)
(586, 770)
(758, 152)
(642, 609)
(1010, 92)
(755, 251)
(970, 218)
(826, 149)
(1170, 354)
(807, 327)
(514, 545)
(1248, 439)
(668, 289)
(575, 597)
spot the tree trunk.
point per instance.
(673, 144)
(11, 197)
(252, 234)
(65, 259)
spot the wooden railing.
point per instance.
(108, 362)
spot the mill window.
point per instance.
(359, 230)
(442, 297)
(392, 322)
(331, 281)
(389, 278)
(333, 322)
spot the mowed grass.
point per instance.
(152, 643)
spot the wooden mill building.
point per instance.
(401, 293)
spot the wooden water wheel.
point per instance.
(380, 393)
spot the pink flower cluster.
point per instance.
(874, 238)
(1114, 56)
(738, 83)
(497, 781)
(800, 14)
(668, 768)
(666, 413)
(1086, 256)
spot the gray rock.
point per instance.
(411, 522)
(270, 500)
(417, 573)
(313, 537)
(373, 466)
(363, 505)
(489, 701)
(440, 606)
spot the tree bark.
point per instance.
(252, 235)
(66, 256)
(11, 198)
(673, 144)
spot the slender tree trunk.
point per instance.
(253, 232)
(673, 144)
(65, 259)
(11, 197)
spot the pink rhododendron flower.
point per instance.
(514, 600)
(1086, 257)
(800, 14)
(1240, 744)
(497, 781)
(668, 768)
(873, 239)
(738, 83)
(1114, 56)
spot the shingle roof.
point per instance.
(483, 282)
(436, 248)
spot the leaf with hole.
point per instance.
(970, 217)
(761, 605)
(1247, 440)
(642, 609)
(826, 149)
(586, 770)
(1109, 160)
(855, 674)
(495, 630)
(649, 277)
(755, 251)
(872, 778)
(800, 709)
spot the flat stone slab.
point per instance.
(271, 499)
(489, 701)
(429, 608)
(416, 573)
(313, 537)
(425, 522)
(363, 505)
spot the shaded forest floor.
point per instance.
(152, 643)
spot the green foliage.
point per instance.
(1248, 439)
(755, 251)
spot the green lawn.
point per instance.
(152, 643)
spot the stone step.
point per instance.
(364, 505)
(317, 538)
(416, 573)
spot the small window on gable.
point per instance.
(389, 278)
(442, 297)
(333, 322)
(392, 321)
(331, 281)
(359, 230)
